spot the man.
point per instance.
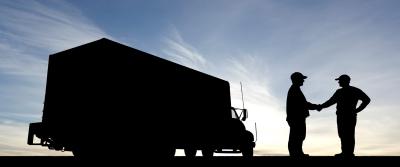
(297, 111)
(346, 99)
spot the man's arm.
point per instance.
(331, 101)
(365, 100)
(312, 106)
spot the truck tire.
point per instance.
(170, 152)
(207, 152)
(190, 152)
(79, 153)
(247, 151)
(247, 144)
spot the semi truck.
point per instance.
(104, 98)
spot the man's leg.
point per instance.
(292, 144)
(295, 138)
(340, 129)
(349, 135)
(346, 132)
(302, 135)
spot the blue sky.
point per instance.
(256, 42)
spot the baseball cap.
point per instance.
(297, 75)
(343, 77)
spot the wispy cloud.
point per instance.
(182, 52)
(54, 25)
(13, 143)
(16, 60)
(258, 43)
(272, 39)
(241, 68)
(30, 31)
(266, 112)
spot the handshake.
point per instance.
(317, 107)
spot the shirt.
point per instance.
(296, 104)
(346, 99)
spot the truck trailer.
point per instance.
(104, 98)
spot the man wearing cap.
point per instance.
(346, 99)
(297, 111)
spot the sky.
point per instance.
(259, 43)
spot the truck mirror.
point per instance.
(244, 115)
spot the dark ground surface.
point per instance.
(320, 161)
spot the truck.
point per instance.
(107, 99)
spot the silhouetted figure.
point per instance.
(297, 111)
(346, 99)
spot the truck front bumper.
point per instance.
(34, 129)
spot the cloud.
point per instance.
(266, 112)
(182, 52)
(14, 142)
(356, 42)
(54, 25)
(272, 39)
(30, 31)
(16, 61)
(263, 107)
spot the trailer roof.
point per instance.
(104, 42)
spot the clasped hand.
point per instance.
(319, 107)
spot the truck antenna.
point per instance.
(241, 90)
(244, 111)
(255, 126)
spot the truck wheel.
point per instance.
(167, 152)
(247, 151)
(76, 153)
(190, 152)
(171, 152)
(207, 152)
(79, 153)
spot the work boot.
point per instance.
(299, 155)
(342, 155)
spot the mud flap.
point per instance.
(34, 129)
